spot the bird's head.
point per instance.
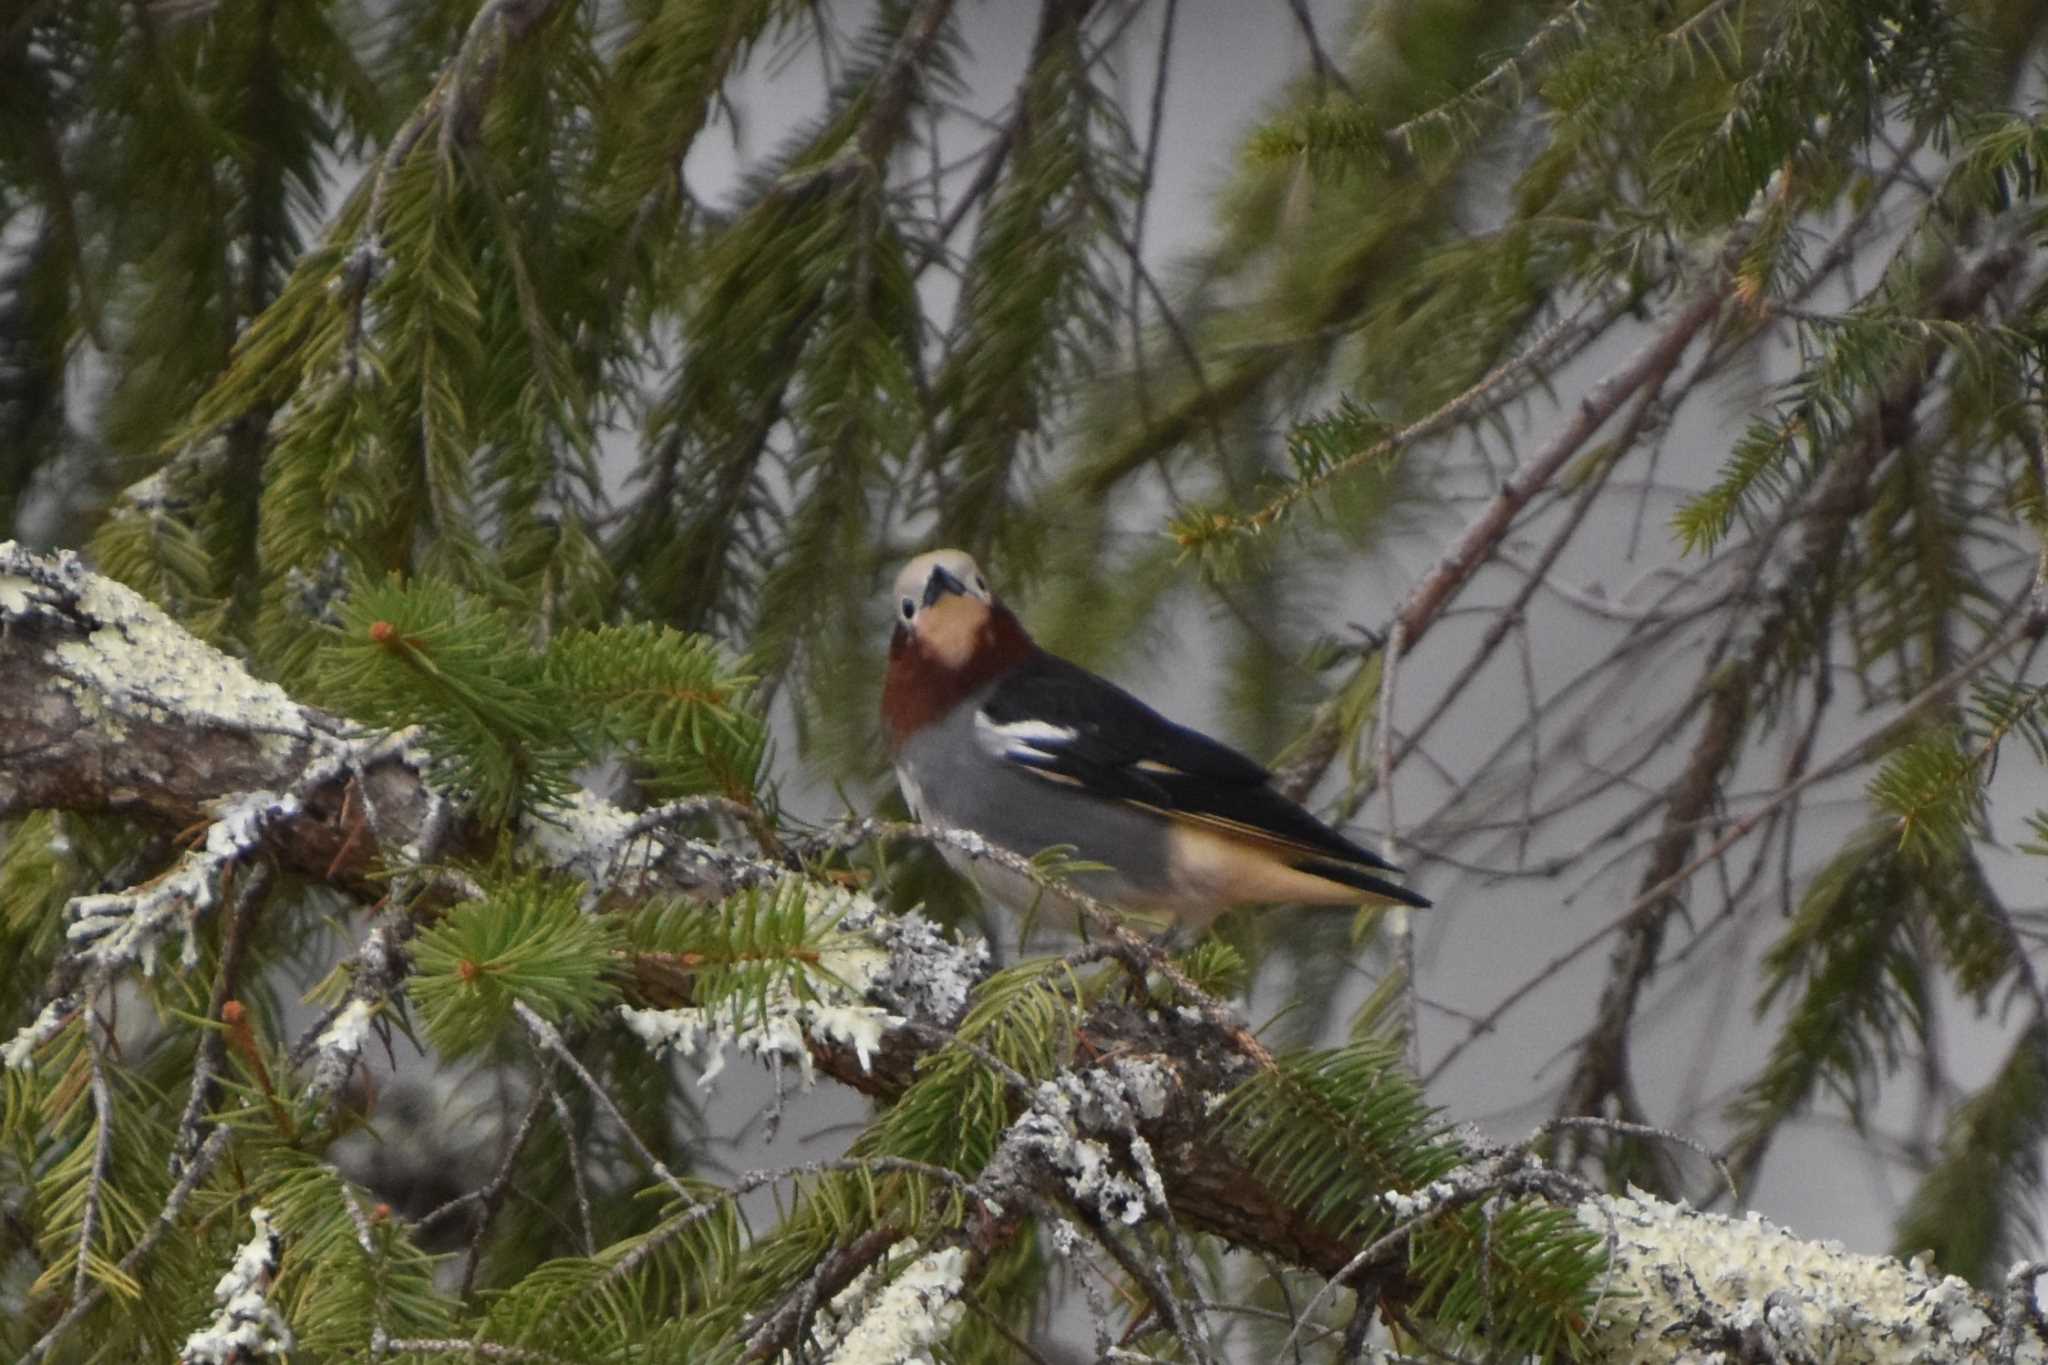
(943, 607)
(951, 636)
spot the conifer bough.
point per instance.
(1116, 1111)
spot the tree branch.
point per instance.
(108, 707)
(94, 679)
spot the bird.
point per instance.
(989, 733)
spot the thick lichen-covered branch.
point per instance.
(107, 706)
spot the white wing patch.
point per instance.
(1028, 742)
(913, 792)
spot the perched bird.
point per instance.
(990, 733)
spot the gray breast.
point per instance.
(949, 778)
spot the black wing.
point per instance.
(1065, 724)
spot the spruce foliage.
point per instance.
(422, 359)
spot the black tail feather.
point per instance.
(1351, 874)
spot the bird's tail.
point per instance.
(1352, 875)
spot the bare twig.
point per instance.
(2022, 625)
(200, 1167)
(102, 1159)
(450, 1346)
(249, 898)
(1638, 1130)
(492, 1196)
(773, 1332)
(1425, 602)
(1505, 1172)
(1426, 599)
(1327, 71)
(550, 1040)
(587, 1224)
(1400, 922)
(1179, 1312)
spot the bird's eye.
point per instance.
(909, 608)
(980, 583)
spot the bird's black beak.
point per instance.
(941, 583)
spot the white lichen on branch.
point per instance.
(18, 1054)
(136, 662)
(117, 928)
(1056, 1132)
(1682, 1277)
(349, 1031)
(615, 852)
(828, 1000)
(247, 1327)
(929, 976)
(881, 1319)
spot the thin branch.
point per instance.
(1638, 1130)
(1602, 401)
(200, 1167)
(1141, 200)
(1602, 1067)
(550, 1040)
(1504, 1172)
(1016, 1342)
(772, 1333)
(1401, 926)
(492, 1196)
(450, 1346)
(1425, 602)
(1327, 71)
(1513, 612)
(102, 1159)
(249, 898)
(587, 1224)
(2026, 626)
(1179, 1312)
